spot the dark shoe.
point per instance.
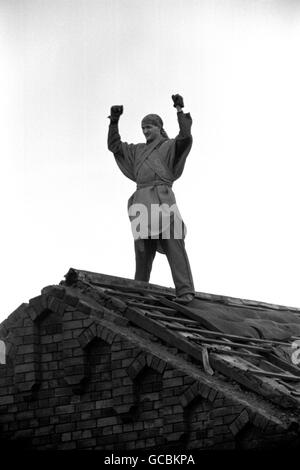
(184, 299)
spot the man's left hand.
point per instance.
(178, 101)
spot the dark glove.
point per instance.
(115, 113)
(178, 101)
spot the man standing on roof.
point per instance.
(155, 220)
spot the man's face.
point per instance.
(151, 132)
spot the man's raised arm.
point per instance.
(184, 119)
(114, 140)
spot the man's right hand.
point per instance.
(115, 112)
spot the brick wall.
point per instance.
(77, 379)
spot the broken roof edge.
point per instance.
(74, 275)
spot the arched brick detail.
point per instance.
(98, 370)
(136, 366)
(50, 345)
(42, 304)
(259, 421)
(27, 375)
(88, 335)
(196, 427)
(142, 360)
(123, 384)
(172, 409)
(189, 395)
(249, 436)
(201, 389)
(95, 331)
(148, 410)
(214, 413)
(75, 365)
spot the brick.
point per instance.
(122, 354)
(175, 382)
(228, 419)
(118, 373)
(66, 427)
(66, 436)
(38, 303)
(8, 418)
(110, 421)
(86, 443)
(219, 412)
(55, 305)
(130, 436)
(150, 361)
(46, 339)
(173, 401)
(28, 358)
(117, 346)
(64, 409)
(30, 339)
(179, 427)
(44, 430)
(174, 436)
(5, 400)
(73, 325)
(221, 430)
(43, 412)
(87, 406)
(100, 404)
(161, 366)
(89, 424)
(173, 418)
(117, 429)
(212, 395)
(177, 409)
(23, 368)
(33, 423)
(107, 430)
(121, 391)
(169, 373)
(24, 434)
(69, 308)
(236, 426)
(3, 331)
(67, 446)
(204, 390)
(70, 299)
(55, 291)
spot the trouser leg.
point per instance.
(144, 258)
(179, 264)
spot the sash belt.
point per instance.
(153, 183)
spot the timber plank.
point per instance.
(227, 335)
(137, 317)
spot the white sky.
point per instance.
(63, 198)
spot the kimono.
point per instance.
(154, 167)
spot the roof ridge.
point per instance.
(77, 274)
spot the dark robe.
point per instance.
(154, 167)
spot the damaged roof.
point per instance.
(248, 343)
